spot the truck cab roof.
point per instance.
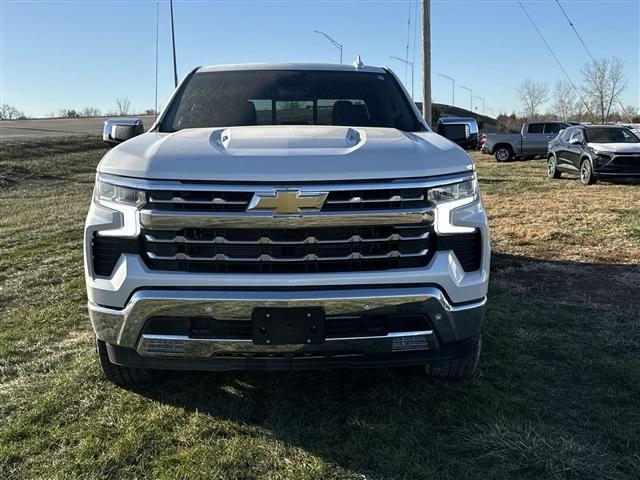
(293, 66)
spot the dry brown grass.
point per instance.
(559, 219)
(555, 397)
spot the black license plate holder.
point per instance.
(288, 325)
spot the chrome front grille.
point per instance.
(302, 228)
(198, 200)
(239, 201)
(288, 250)
(383, 199)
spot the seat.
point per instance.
(345, 113)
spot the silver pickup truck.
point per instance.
(285, 216)
(530, 142)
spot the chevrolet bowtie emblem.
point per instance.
(287, 201)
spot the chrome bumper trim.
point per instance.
(124, 327)
(172, 220)
(186, 347)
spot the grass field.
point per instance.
(557, 395)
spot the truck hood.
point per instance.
(616, 147)
(285, 153)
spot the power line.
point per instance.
(576, 31)
(415, 30)
(554, 56)
(406, 58)
(590, 55)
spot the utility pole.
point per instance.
(409, 64)
(453, 88)
(426, 60)
(480, 98)
(157, 23)
(470, 95)
(333, 42)
(173, 40)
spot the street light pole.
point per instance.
(426, 60)
(453, 88)
(470, 95)
(335, 43)
(480, 98)
(173, 40)
(410, 64)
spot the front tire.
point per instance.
(460, 369)
(552, 167)
(122, 376)
(586, 172)
(503, 154)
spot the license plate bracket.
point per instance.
(288, 325)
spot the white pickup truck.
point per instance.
(285, 216)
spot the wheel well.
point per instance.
(583, 158)
(500, 145)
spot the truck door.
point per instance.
(534, 140)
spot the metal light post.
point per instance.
(426, 60)
(480, 98)
(335, 44)
(470, 94)
(157, 28)
(453, 88)
(173, 40)
(410, 64)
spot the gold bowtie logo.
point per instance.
(287, 201)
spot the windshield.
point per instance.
(241, 98)
(611, 135)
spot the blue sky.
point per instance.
(73, 54)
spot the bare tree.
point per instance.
(634, 113)
(9, 112)
(564, 99)
(532, 95)
(603, 82)
(90, 112)
(68, 113)
(579, 111)
(123, 106)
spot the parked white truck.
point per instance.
(285, 216)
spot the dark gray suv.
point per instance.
(595, 151)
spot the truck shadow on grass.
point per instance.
(554, 397)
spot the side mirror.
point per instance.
(575, 141)
(117, 130)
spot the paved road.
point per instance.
(50, 127)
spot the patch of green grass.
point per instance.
(630, 218)
(555, 398)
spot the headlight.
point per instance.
(454, 192)
(106, 193)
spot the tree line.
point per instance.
(123, 108)
(596, 99)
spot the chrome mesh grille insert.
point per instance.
(383, 199)
(296, 250)
(238, 201)
(198, 200)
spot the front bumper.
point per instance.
(123, 330)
